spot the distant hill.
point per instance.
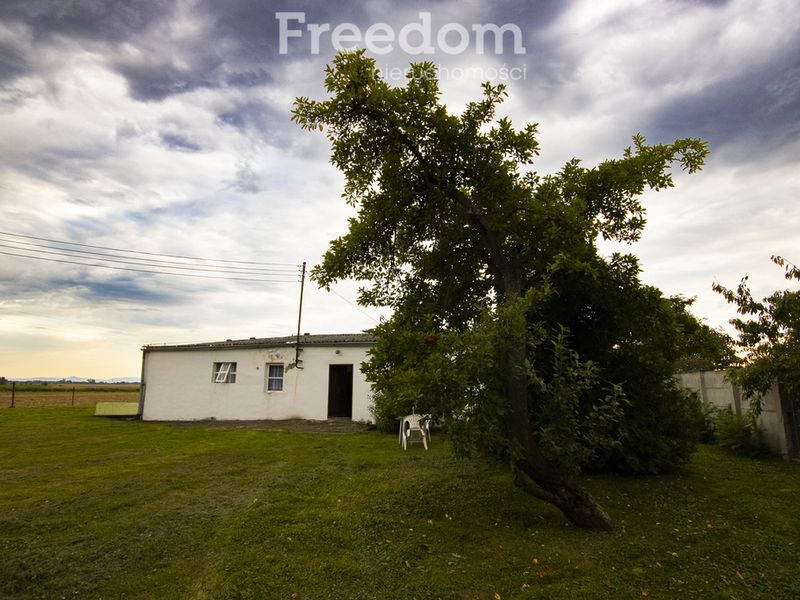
(122, 380)
(74, 379)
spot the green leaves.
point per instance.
(770, 337)
(570, 429)
(472, 248)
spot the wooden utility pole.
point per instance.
(299, 317)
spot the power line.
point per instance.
(356, 306)
(229, 271)
(148, 264)
(247, 262)
(101, 266)
(144, 261)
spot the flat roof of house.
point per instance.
(333, 339)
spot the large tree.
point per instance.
(465, 243)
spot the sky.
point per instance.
(163, 127)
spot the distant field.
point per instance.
(67, 394)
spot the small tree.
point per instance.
(770, 337)
(465, 245)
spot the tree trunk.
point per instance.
(533, 473)
(577, 504)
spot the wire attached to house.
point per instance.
(356, 306)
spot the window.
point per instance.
(225, 372)
(275, 378)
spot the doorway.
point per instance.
(340, 392)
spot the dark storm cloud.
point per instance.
(61, 164)
(253, 25)
(530, 15)
(712, 3)
(252, 78)
(755, 111)
(259, 121)
(249, 24)
(81, 286)
(102, 25)
(103, 20)
(176, 141)
(12, 62)
(253, 28)
(127, 130)
(246, 181)
(155, 81)
(238, 44)
(151, 79)
(236, 49)
(125, 287)
(152, 74)
(181, 213)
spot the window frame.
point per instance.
(270, 378)
(227, 368)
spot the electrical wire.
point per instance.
(143, 261)
(101, 266)
(202, 268)
(356, 306)
(153, 264)
(267, 272)
(248, 262)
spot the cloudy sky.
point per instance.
(163, 127)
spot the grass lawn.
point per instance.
(99, 508)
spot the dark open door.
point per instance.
(340, 392)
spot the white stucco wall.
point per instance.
(179, 384)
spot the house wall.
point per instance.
(715, 389)
(179, 385)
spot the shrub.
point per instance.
(659, 431)
(387, 411)
(707, 421)
(739, 433)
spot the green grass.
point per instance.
(116, 409)
(98, 508)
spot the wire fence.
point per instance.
(64, 396)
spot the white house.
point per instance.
(314, 377)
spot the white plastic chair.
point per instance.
(416, 426)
